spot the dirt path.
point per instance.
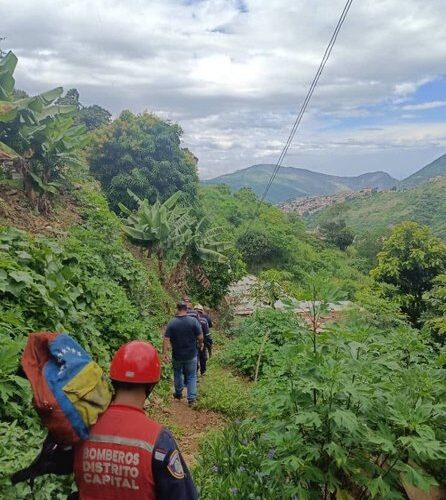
(188, 425)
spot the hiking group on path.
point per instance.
(127, 455)
(188, 335)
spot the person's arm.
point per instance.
(170, 473)
(166, 344)
(199, 334)
(209, 320)
(52, 459)
(166, 347)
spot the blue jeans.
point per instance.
(185, 373)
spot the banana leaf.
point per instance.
(8, 151)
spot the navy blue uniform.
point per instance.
(172, 477)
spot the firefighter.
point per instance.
(128, 455)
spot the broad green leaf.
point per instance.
(345, 419)
(417, 478)
(21, 277)
(378, 488)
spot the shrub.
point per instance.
(357, 417)
(258, 339)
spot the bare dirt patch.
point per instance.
(16, 211)
(188, 425)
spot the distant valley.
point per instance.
(377, 211)
(293, 183)
(296, 183)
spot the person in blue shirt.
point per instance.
(185, 337)
(207, 339)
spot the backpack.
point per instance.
(69, 389)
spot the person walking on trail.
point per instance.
(207, 339)
(210, 325)
(208, 319)
(184, 335)
(127, 456)
(190, 310)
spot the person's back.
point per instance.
(116, 460)
(182, 332)
(128, 456)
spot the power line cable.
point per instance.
(307, 100)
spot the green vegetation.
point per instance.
(433, 169)
(435, 316)
(358, 415)
(267, 238)
(39, 136)
(87, 284)
(224, 393)
(141, 153)
(425, 204)
(409, 262)
(293, 183)
(257, 341)
(336, 232)
(91, 116)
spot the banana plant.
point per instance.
(160, 227)
(201, 244)
(38, 136)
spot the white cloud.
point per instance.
(425, 105)
(235, 77)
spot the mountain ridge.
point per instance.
(293, 182)
(433, 169)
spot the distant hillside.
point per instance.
(425, 204)
(298, 182)
(434, 169)
(309, 205)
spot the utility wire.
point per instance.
(306, 102)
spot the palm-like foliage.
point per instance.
(170, 231)
(159, 226)
(38, 135)
(206, 245)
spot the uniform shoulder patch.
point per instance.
(174, 466)
(160, 454)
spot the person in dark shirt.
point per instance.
(208, 319)
(207, 339)
(190, 310)
(184, 335)
(208, 345)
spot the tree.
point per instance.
(337, 233)
(71, 98)
(257, 248)
(94, 116)
(368, 245)
(171, 232)
(410, 261)
(142, 153)
(39, 135)
(158, 227)
(91, 116)
(435, 316)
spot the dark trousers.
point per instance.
(202, 359)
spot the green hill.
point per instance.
(298, 182)
(433, 169)
(425, 204)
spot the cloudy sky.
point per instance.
(233, 73)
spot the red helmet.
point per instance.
(136, 362)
